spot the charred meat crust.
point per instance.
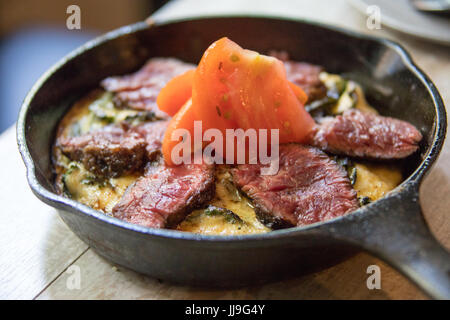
(115, 150)
(309, 187)
(271, 221)
(165, 195)
(366, 135)
(106, 153)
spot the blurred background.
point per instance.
(33, 36)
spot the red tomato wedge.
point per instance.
(179, 89)
(299, 93)
(237, 88)
(175, 93)
(183, 119)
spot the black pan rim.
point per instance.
(74, 207)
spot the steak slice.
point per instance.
(110, 152)
(309, 187)
(140, 89)
(366, 135)
(153, 134)
(303, 74)
(165, 195)
(116, 150)
(306, 76)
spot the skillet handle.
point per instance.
(396, 232)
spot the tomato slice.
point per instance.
(175, 93)
(237, 88)
(179, 90)
(299, 93)
(183, 119)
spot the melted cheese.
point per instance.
(200, 222)
(372, 180)
(101, 196)
(361, 102)
(375, 180)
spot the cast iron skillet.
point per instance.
(392, 228)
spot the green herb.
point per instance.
(344, 162)
(353, 175)
(102, 114)
(234, 58)
(70, 169)
(232, 190)
(213, 211)
(322, 105)
(363, 201)
(348, 166)
(90, 179)
(228, 215)
(191, 218)
(65, 189)
(103, 108)
(141, 117)
(339, 97)
(337, 88)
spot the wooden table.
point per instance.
(36, 247)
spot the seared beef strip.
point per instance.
(153, 134)
(306, 76)
(366, 135)
(116, 150)
(110, 152)
(165, 195)
(309, 187)
(303, 74)
(140, 89)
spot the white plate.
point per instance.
(402, 16)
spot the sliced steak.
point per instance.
(306, 76)
(303, 74)
(309, 187)
(153, 134)
(366, 135)
(110, 152)
(116, 150)
(140, 89)
(165, 195)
